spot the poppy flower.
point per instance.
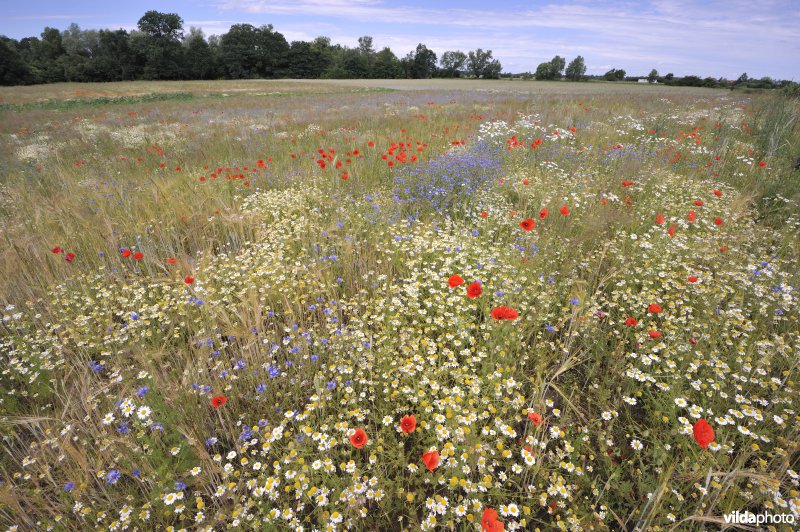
(57, 250)
(655, 308)
(693, 340)
(659, 219)
(484, 214)
(654, 334)
(724, 248)
(69, 257)
(698, 202)
(359, 438)
(527, 224)
(718, 221)
(717, 193)
(188, 279)
(692, 279)
(474, 290)
(564, 210)
(525, 181)
(504, 313)
(218, 400)
(455, 280)
(489, 522)
(171, 260)
(762, 164)
(631, 322)
(431, 460)
(408, 424)
(671, 230)
(535, 417)
(543, 214)
(626, 184)
(126, 253)
(138, 255)
(703, 433)
(691, 216)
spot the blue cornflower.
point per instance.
(331, 384)
(141, 392)
(113, 476)
(69, 486)
(261, 388)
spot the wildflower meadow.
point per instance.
(439, 305)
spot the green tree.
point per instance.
(159, 43)
(13, 69)
(481, 64)
(387, 65)
(652, 77)
(238, 50)
(423, 64)
(452, 63)
(200, 62)
(543, 71)
(305, 60)
(576, 69)
(557, 67)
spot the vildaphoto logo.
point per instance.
(749, 518)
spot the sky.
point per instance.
(718, 38)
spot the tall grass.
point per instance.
(317, 302)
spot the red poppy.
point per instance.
(724, 248)
(138, 255)
(717, 193)
(431, 460)
(535, 417)
(564, 210)
(455, 280)
(358, 438)
(654, 334)
(188, 279)
(671, 230)
(698, 202)
(762, 164)
(543, 214)
(693, 340)
(692, 279)
(527, 224)
(408, 424)
(655, 308)
(57, 250)
(691, 216)
(69, 257)
(474, 290)
(659, 219)
(484, 214)
(631, 322)
(171, 260)
(626, 184)
(489, 522)
(126, 253)
(718, 221)
(504, 313)
(703, 433)
(218, 400)
(525, 181)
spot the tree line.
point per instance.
(160, 50)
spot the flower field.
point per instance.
(326, 307)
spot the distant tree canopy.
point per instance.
(161, 49)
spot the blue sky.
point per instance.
(702, 37)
